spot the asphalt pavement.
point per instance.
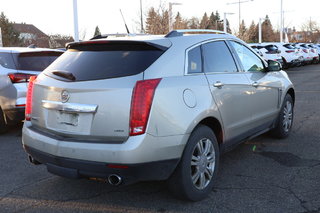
(261, 175)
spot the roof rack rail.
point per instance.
(175, 33)
(116, 35)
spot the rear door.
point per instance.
(86, 93)
(266, 87)
(230, 88)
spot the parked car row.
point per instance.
(17, 65)
(288, 54)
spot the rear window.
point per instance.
(34, 61)
(289, 46)
(271, 48)
(6, 61)
(94, 61)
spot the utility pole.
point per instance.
(170, 15)
(141, 18)
(225, 21)
(260, 29)
(75, 20)
(1, 45)
(281, 22)
(239, 2)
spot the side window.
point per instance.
(249, 60)
(217, 58)
(194, 60)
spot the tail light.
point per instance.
(290, 51)
(312, 50)
(28, 109)
(141, 102)
(19, 77)
(305, 50)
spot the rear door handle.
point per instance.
(255, 84)
(218, 84)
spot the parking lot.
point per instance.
(261, 175)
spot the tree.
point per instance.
(10, 37)
(193, 23)
(242, 31)
(59, 41)
(267, 30)
(204, 23)
(252, 33)
(179, 22)
(97, 32)
(157, 22)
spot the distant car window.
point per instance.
(250, 61)
(288, 46)
(96, 61)
(271, 48)
(217, 58)
(194, 60)
(6, 61)
(35, 61)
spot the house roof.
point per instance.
(29, 28)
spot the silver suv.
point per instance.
(16, 66)
(143, 108)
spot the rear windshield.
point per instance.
(271, 48)
(94, 61)
(35, 61)
(6, 61)
(289, 46)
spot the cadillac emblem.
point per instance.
(64, 96)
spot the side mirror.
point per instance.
(274, 66)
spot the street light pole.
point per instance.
(239, 2)
(260, 29)
(75, 20)
(141, 19)
(170, 15)
(225, 21)
(281, 22)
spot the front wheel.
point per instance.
(193, 178)
(285, 119)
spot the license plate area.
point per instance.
(69, 123)
(68, 118)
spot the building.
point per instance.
(31, 35)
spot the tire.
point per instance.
(200, 160)
(3, 123)
(285, 119)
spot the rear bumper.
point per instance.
(129, 173)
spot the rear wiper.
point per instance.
(64, 74)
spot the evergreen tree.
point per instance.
(204, 24)
(252, 33)
(97, 32)
(10, 37)
(242, 31)
(151, 21)
(267, 30)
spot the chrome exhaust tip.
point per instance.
(114, 180)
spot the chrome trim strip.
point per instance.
(70, 107)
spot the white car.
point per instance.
(289, 54)
(317, 50)
(17, 65)
(269, 52)
(307, 55)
